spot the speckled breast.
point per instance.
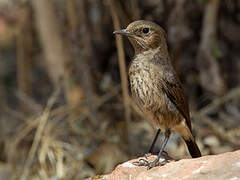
(144, 88)
(147, 93)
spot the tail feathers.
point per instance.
(193, 148)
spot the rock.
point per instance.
(222, 166)
(98, 177)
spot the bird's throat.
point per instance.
(151, 54)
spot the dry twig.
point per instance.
(38, 135)
(24, 52)
(122, 65)
(82, 53)
(216, 127)
(234, 93)
(57, 58)
(210, 76)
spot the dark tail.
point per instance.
(193, 148)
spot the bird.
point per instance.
(156, 88)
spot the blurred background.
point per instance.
(66, 111)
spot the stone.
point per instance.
(222, 166)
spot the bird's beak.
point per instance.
(122, 32)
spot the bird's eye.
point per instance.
(145, 30)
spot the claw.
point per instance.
(153, 164)
(141, 162)
(147, 155)
(144, 162)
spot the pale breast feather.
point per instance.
(144, 90)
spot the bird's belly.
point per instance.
(154, 103)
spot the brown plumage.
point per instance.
(155, 85)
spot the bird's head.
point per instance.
(144, 36)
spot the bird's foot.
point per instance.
(144, 162)
(147, 155)
(141, 162)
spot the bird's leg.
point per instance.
(143, 162)
(153, 143)
(156, 161)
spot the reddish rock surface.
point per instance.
(223, 166)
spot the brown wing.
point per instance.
(173, 88)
